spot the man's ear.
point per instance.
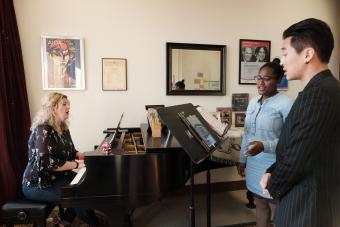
(309, 54)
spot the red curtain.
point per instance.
(14, 109)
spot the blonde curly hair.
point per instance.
(45, 114)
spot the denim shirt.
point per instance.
(264, 122)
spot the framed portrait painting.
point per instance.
(62, 63)
(253, 54)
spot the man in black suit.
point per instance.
(305, 179)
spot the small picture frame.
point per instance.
(253, 54)
(226, 114)
(114, 73)
(239, 119)
(62, 63)
(240, 101)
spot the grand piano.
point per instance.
(139, 170)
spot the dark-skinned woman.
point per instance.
(265, 116)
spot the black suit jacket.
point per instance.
(306, 175)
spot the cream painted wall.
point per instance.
(138, 30)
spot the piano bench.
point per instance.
(24, 211)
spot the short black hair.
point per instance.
(277, 69)
(314, 33)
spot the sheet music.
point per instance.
(215, 124)
(79, 175)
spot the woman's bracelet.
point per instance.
(77, 164)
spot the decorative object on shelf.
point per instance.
(239, 119)
(62, 63)
(157, 106)
(283, 85)
(195, 69)
(226, 115)
(253, 54)
(114, 72)
(154, 122)
(240, 101)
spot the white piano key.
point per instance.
(79, 175)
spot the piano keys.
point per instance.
(80, 175)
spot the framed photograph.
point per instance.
(239, 101)
(62, 63)
(114, 74)
(225, 113)
(253, 54)
(239, 119)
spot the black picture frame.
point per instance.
(202, 69)
(239, 101)
(252, 55)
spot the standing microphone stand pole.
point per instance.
(192, 200)
(208, 197)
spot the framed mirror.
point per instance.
(195, 69)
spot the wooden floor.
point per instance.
(227, 209)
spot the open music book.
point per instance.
(220, 128)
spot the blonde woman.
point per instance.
(52, 157)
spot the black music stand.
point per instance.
(190, 138)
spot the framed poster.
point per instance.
(62, 63)
(114, 74)
(253, 54)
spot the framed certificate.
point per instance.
(114, 72)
